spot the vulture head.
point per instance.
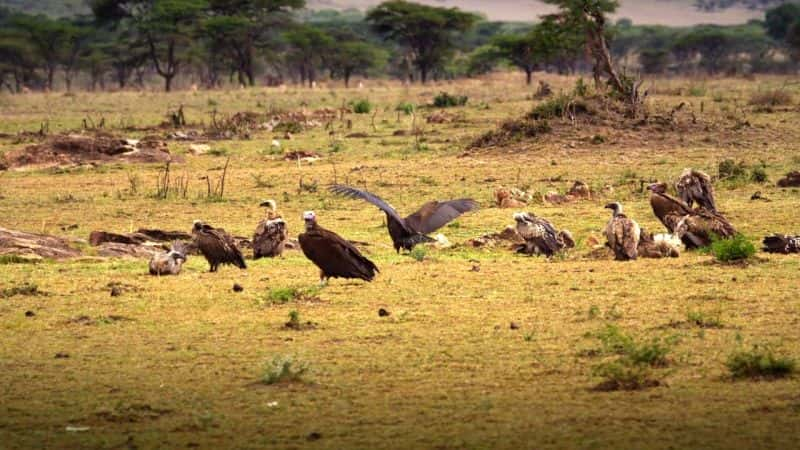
(658, 188)
(271, 204)
(615, 207)
(310, 219)
(197, 225)
(522, 217)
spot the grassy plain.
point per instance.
(445, 369)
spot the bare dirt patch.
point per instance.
(76, 150)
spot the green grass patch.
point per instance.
(761, 361)
(284, 369)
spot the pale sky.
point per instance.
(659, 12)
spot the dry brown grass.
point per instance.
(445, 369)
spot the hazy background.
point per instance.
(663, 12)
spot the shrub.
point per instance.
(23, 289)
(283, 295)
(632, 369)
(16, 259)
(758, 175)
(284, 369)
(419, 253)
(702, 320)
(623, 377)
(697, 91)
(445, 100)
(737, 248)
(405, 107)
(730, 169)
(774, 97)
(558, 106)
(362, 106)
(760, 362)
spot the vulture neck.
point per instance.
(311, 225)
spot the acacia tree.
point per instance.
(308, 49)
(354, 57)
(53, 41)
(426, 32)
(237, 28)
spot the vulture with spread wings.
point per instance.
(695, 227)
(695, 186)
(412, 230)
(782, 243)
(541, 237)
(335, 257)
(217, 246)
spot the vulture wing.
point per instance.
(434, 215)
(336, 257)
(695, 186)
(218, 247)
(369, 197)
(269, 238)
(667, 209)
(781, 243)
(624, 237)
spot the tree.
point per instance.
(237, 28)
(55, 42)
(308, 49)
(522, 50)
(426, 32)
(588, 17)
(779, 20)
(654, 60)
(354, 57)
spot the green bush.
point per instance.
(737, 248)
(730, 169)
(758, 175)
(406, 108)
(284, 369)
(760, 362)
(361, 106)
(445, 100)
(419, 253)
(557, 107)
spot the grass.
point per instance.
(284, 369)
(446, 100)
(760, 362)
(446, 355)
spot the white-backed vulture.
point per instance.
(169, 263)
(782, 243)
(335, 256)
(695, 227)
(271, 234)
(412, 230)
(695, 186)
(622, 233)
(541, 237)
(217, 246)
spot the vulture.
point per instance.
(695, 186)
(412, 230)
(335, 257)
(658, 246)
(781, 243)
(169, 263)
(622, 233)
(695, 227)
(541, 238)
(217, 246)
(270, 236)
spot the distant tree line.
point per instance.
(126, 43)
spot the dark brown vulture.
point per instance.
(412, 230)
(623, 234)
(171, 262)
(541, 237)
(694, 227)
(695, 186)
(217, 246)
(781, 243)
(335, 257)
(271, 234)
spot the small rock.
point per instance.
(514, 326)
(29, 313)
(62, 355)
(475, 268)
(237, 287)
(383, 313)
(116, 291)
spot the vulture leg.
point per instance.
(323, 279)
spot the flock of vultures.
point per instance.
(692, 221)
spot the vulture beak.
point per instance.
(520, 216)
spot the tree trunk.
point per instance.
(168, 83)
(50, 75)
(423, 75)
(528, 76)
(347, 78)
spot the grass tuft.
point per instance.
(419, 253)
(761, 362)
(737, 248)
(445, 100)
(26, 289)
(362, 106)
(284, 369)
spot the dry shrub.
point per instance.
(771, 98)
(512, 131)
